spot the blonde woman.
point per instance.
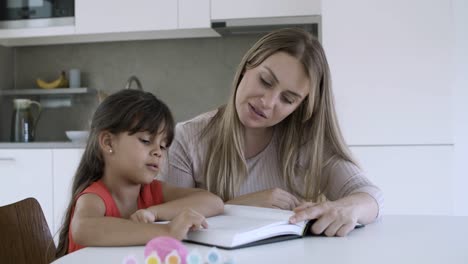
(277, 142)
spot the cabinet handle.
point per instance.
(7, 159)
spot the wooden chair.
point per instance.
(24, 234)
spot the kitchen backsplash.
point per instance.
(6, 82)
(191, 75)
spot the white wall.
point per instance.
(460, 14)
(392, 68)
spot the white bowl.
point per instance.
(77, 135)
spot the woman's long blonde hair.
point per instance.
(312, 128)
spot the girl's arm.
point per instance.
(89, 226)
(177, 199)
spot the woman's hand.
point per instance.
(271, 198)
(187, 220)
(337, 218)
(333, 219)
(143, 216)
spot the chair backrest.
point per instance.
(25, 236)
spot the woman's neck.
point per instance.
(256, 140)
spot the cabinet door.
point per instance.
(27, 173)
(65, 164)
(414, 179)
(109, 16)
(227, 9)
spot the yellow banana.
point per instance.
(60, 82)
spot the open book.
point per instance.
(243, 226)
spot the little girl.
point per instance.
(115, 197)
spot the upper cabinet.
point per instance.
(110, 16)
(240, 9)
(117, 20)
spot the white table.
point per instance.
(394, 239)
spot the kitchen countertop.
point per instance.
(40, 145)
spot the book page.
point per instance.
(257, 212)
(243, 224)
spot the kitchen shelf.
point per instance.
(52, 98)
(45, 92)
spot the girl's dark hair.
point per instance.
(129, 111)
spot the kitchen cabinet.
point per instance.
(45, 174)
(66, 162)
(27, 173)
(107, 20)
(108, 16)
(241, 9)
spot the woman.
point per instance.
(277, 143)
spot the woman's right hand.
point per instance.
(271, 198)
(185, 221)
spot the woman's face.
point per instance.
(271, 91)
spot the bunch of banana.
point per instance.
(60, 82)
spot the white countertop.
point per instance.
(394, 239)
(39, 145)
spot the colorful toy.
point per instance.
(213, 256)
(163, 246)
(167, 250)
(194, 257)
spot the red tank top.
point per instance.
(150, 194)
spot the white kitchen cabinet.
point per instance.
(27, 173)
(414, 179)
(109, 16)
(97, 21)
(65, 164)
(241, 9)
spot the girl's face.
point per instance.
(271, 91)
(137, 157)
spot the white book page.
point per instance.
(243, 224)
(257, 212)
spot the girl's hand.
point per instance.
(187, 220)
(143, 216)
(333, 218)
(271, 198)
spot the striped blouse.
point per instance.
(187, 154)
